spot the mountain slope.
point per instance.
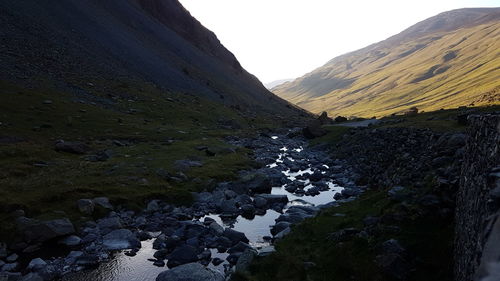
(150, 40)
(449, 60)
(275, 83)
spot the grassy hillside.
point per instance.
(432, 65)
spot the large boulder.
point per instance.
(257, 183)
(245, 260)
(273, 198)
(190, 272)
(235, 236)
(182, 255)
(314, 130)
(41, 231)
(120, 239)
(324, 119)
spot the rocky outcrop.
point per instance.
(477, 246)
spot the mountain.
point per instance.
(275, 83)
(446, 61)
(77, 42)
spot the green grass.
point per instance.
(139, 115)
(426, 237)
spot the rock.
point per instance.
(260, 202)
(248, 210)
(190, 272)
(393, 265)
(229, 207)
(12, 258)
(182, 255)
(86, 206)
(120, 239)
(245, 260)
(31, 277)
(398, 193)
(3, 250)
(153, 206)
(273, 198)
(103, 202)
(235, 236)
(239, 248)
(41, 231)
(457, 140)
(70, 241)
(392, 246)
(257, 183)
(340, 119)
(324, 119)
(71, 147)
(314, 130)
(266, 251)
(283, 233)
(185, 165)
(216, 228)
(87, 260)
(217, 261)
(11, 267)
(108, 224)
(280, 226)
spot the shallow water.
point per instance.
(138, 268)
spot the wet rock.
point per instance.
(182, 255)
(245, 260)
(11, 267)
(217, 261)
(71, 147)
(108, 224)
(248, 210)
(86, 206)
(120, 239)
(31, 277)
(235, 236)
(70, 241)
(261, 202)
(280, 226)
(273, 198)
(266, 251)
(190, 272)
(12, 258)
(283, 233)
(41, 231)
(239, 248)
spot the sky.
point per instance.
(282, 39)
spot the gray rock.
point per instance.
(71, 241)
(266, 251)
(273, 198)
(260, 202)
(11, 267)
(216, 228)
(103, 202)
(108, 224)
(280, 226)
(182, 255)
(120, 239)
(283, 233)
(153, 206)
(86, 206)
(245, 260)
(190, 272)
(229, 207)
(41, 231)
(12, 258)
(31, 277)
(235, 236)
(248, 210)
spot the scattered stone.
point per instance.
(36, 264)
(190, 272)
(86, 206)
(71, 147)
(120, 239)
(103, 202)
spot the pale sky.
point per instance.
(281, 39)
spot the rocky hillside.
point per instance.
(446, 61)
(83, 46)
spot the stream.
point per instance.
(257, 229)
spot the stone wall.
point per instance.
(477, 241)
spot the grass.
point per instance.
(157, 127)
(426, 237)
(384, 82)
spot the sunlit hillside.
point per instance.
(447, 61)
